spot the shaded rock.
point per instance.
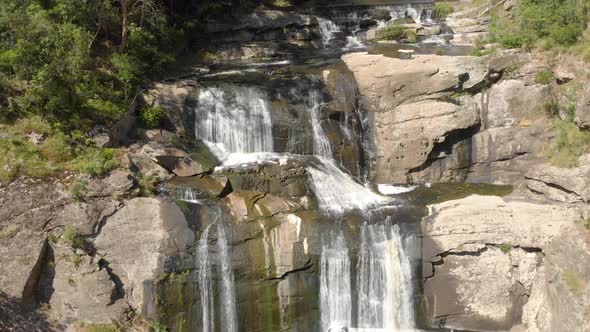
(116, 184)
(429, 31)
(502, 237)
(385, 83)
(570, 185)
(206, 186)
(177, 99)
(145, 166)
(178, 161)
(182, 166)
(21, 259)
(263, 19)
(582, 116)
(153, 231)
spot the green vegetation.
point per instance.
(96, 162)
(544, 77)
(442, 10)
(505, 248)
(152, 116)
(573, 282)
(78, 190)
(546, 23)
(72, 238)
(570, 143)
(147, 185)
(97, 328)
(281, 3)
(398, 32)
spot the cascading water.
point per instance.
(383, 280)
(206, 282)
(335, 283)
(327, 30)
(234, 119)
(228, 292)
(321, 144)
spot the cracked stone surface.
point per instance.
(482, 256)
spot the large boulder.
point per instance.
(386, 83)
(83, 290)
(570, 185)
(482, 256)
(152, 230)
(405, 137)
(511, 101)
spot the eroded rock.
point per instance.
(482, 255)
(152, 230)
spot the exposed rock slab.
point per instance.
(570, 185)
(482, 255)
(386, 83)
(511, 101)
(405, 137)
(152, 230)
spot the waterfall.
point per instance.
(321, 144)
(206, 283)
(228, 293)
(234, 119)
(383, 280)
(227, 301)
(327, 29)
(335, 284)
(337, 192)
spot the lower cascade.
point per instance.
(226, 303)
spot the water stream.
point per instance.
(365, 275)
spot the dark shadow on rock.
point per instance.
(13, 317)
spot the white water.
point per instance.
(383, 280)
(228, 292)
(234, 119)
(353, 43)
(227, 303)
(321, 144)
(206, 283)
(327, 30)
(388, 189)
(337, 192)
(188, 195)
(335, 284)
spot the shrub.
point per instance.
(152, 116)
(78, 190)
(544, 77)
(398, 32)
(57, 149)
(71, 237)
(572, 281)
(147, 185)
(570, 143)
(555, 22)
(97, 162)
(551, 109)
(505, 247)
(441, 10)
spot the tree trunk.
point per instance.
(124, 7)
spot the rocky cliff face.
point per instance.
(489, 261)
